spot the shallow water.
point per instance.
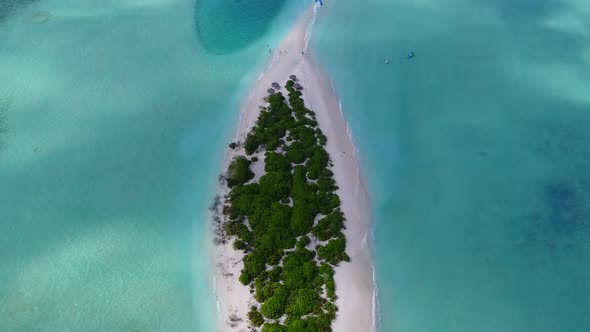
(476, 154)
(114, 116)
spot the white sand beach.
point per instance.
(354, 280)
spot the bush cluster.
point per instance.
(255, 318)
(334, 251)
(266, 218)
(239, 171)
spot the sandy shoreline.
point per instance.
(354, 280)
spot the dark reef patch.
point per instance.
(10, 7)
(567, 206)
(562, 222)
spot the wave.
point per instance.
(217, 303)
(308, 29)
(376, 313)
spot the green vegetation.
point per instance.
(333, 252)
(255, 318)
(330, 226)
(274, 328)
(278, 220)
(239, 171)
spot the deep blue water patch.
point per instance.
(9, 7)
(567, 201)
(561, 141)
(227, 26)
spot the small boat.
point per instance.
(411, 54)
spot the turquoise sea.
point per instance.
(477, 154)
(114, 116)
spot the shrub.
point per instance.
(265, 290)
(251, 144)
(275, 274)
(276, 162)
(334, 200)
(274, 307)
(304, 203)
(326, 271)
(303, 242)
(327, 184)
(275, 185)
(303, 302)
(320, 323)
(276, 99)
(245, 278)
(243, 233)
(232, 145)
(270, 220)
(297, 325)
(327, 173)
(273, 143)
(238, 229)
(314, 188)
(331, 289)
(254, 159)
(313, 172)
(273, 242)
(330, 226)
(302, 217)
(255, 318)
(306, 136)
(331, 309)
(254, 263)
(239, 245)
(296, 155)
(239, 171)
(334, 252)
(327, 202)
(273, 327)
(299, 269)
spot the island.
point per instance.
(288, 222)
(291, 218)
